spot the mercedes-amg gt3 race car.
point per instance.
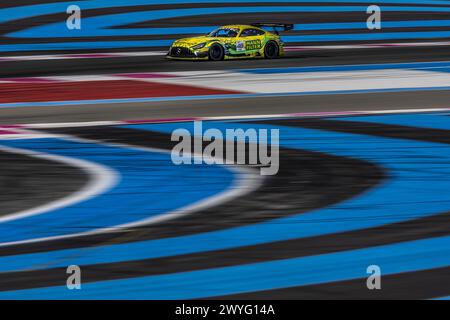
(232, 42)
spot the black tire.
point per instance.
(216, 52)
(271, 50)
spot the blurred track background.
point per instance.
(86, 117)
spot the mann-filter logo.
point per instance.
(253, 45)
(236, 146)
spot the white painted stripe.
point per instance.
(73, 124)
(22, 136)
(83, 78)
(225, 117)
(314, 82)
(11, 136)
(101, 179)
(248, 180)
(427, 76)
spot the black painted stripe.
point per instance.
(179, 36)
(27, 182)
(306, 181)
(406, 231)
(372, 129)
(427, 284)
(429, 227)
(222, 19)
(286, 17)
(156, 64)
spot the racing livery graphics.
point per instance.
(232, 42)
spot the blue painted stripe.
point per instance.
(149, 186)
(163, 43)
(407, 163)
(209, 97)
(93, 30)
(392, 259)
(104, 25)
(105, 21)
(432, 121)
(84, 45)
(439, 69)
(368, 36)
(23, 12)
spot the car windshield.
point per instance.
(224, 33)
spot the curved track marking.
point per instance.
(122, 20)
(379, 206)
(414, 167)
(101, 179)
(105, 25)
(420, 255)
(246, 182)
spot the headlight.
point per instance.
(199, 46)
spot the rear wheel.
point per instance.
(271, 50)
(216, 52)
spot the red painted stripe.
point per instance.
(11, 126)
(145, 75)
(3, 131)
(96, 90)
(30, 80)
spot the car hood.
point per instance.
(189, 42)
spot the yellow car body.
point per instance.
(231, 42)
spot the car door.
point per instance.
(250, 41)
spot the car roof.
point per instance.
(240, 26)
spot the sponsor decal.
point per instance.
(253, 44)
(240, 45)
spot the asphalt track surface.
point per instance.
(347, 165)
(225, 107)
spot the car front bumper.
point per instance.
(183, 53)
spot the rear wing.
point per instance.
(277, 27)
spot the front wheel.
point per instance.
(271, 50)
(216, 52)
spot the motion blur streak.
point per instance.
(122, 24)
(386, 203)
(364, 120)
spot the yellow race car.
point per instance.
(232, 42)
